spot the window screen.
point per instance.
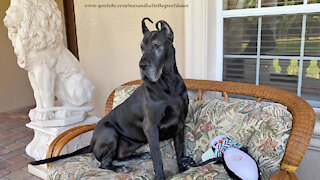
(281, 51)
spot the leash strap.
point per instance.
(188, 161)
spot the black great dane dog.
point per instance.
(156, 111)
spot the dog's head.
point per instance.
(157, 49)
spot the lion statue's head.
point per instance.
(33, 25)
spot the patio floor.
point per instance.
(14, 137)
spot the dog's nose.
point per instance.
(143, 65)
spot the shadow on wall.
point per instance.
(15, 89)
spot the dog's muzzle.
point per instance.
(150, 72)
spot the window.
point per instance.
(274, 43)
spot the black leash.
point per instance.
(188, 161)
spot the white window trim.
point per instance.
(204, 50)
(265, 11)
(199, 43)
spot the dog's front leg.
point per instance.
(153, 140)
(151, 130)
(180, 149)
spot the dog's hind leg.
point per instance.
(144, 155)
(126, 149)
(105, 144)
(106, 163)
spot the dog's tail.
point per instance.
(84, 150)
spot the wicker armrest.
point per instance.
(285, 175)
(59, 142)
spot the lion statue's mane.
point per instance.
(40, 27)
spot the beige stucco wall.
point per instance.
(109, 41)
(15, 89)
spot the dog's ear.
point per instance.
(144, 27)
(166, 28)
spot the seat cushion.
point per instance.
(87, 167)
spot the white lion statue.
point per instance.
(35, 29)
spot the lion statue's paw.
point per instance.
(41, 116)
(62, 114)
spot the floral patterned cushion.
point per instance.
(206, 172)
(262, 127)
(87, 167)
(122, 93)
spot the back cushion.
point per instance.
(122, 93)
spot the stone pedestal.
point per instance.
(43, 136)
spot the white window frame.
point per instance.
(204, 40)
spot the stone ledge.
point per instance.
(39, 171)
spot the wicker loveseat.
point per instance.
(277, 135)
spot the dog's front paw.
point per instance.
(185, 162)
(123, 169)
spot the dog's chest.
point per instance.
(172, 121)
(168, 129)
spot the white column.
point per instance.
(204, 41)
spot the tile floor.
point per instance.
(14, 136)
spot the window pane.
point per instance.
(281, 35)
(311, 80)
(280, 73)
(313, 1)
(240, 35)
(312, 42)
(239, 70)
(236, 4)
(273, 3)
